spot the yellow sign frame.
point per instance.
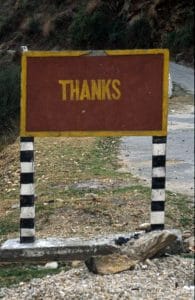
(24, 132)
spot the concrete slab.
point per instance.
(57, 249)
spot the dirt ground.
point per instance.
(80, 191)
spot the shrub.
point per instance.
(139, 35)
(9, 96)
(98, 30)
(34, 27)
(180, 40)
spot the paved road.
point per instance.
(136, 152)
(183, 76)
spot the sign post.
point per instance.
(27, 189)
(157, 216)
(76, 93)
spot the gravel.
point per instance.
(159, 279)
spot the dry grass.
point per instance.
(79, 190)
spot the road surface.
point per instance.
(183, 76)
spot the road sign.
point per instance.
(74, 93)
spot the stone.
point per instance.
(51, 265)
(189, 244)
(177, 246)
(149, 245)
(144, 226)
(110, 264)
(186, 234)
(15, 206)
(132, 252)
(76, 263)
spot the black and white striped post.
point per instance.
(27, 188)
(157, 218)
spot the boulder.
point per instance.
(149, 245)
(134, 251)
(51, 265)
(110, 264)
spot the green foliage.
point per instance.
(105, 28)
(9, 24)
(34, 27)
(9, 96)
(26, 4)
(98, 30)
(139, 35)
(179, 40)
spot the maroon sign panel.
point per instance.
(94, 95)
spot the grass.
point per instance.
(63, 164)
(119, 202)
(9, 224)
(179, 209)
(14, 274)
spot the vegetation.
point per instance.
(67, 170)
(102, 30)
(98, 25)
(9, 99)
(139, 35)
(98, 30)
(78, 181)
(181, 39)
(107, 24)
(14, 274)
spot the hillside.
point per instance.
(89, 24)
(96, 24)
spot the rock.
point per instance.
(189, 288)
(15, 206)
(186, 234)
(189, 244)
(132, 252)
(176, 247)
(51, 265)
(110, 264)
(76, 263)
(149, 245)
(144, 226)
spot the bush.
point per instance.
(99, 30)
(139, 35)
(9, 96)
(180, 40)
(34, 27)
